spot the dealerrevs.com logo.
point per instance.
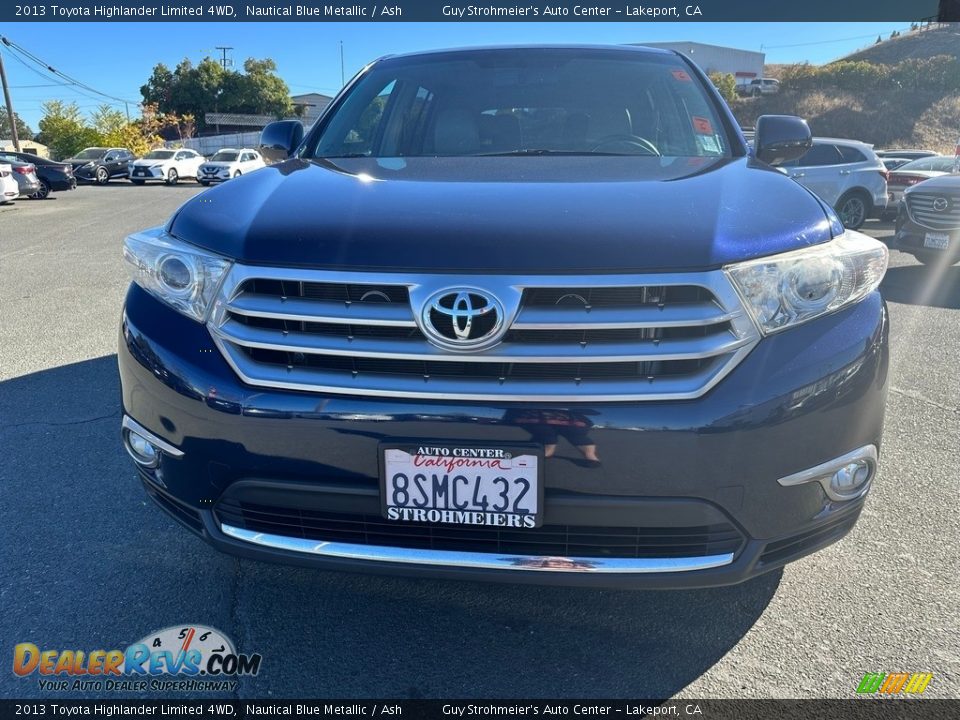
(177, 658)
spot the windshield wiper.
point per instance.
(544, 151)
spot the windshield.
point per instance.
(224, 157)
(159, 155)
(941, 163)
(91, 154)
(533, 101)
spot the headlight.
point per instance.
(181, 275)
(788, 289)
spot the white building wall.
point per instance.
(744, 65)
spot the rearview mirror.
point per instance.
(279, 139)
(781, 138)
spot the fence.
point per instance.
(210, 144)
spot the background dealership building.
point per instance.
(744, 65)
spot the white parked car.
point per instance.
(9, 189)
(229, 163)
(847, 175)
(760, 86)
(166, 165)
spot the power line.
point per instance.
(16, 56)
(825, 42)
(70, 79)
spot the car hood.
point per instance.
(506, 214)
(220, 163)
(143, 162)
(940, 183)
(77, 162)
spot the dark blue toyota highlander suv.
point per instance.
(534, 314)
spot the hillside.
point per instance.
(942, 40)
(897, 118)
(888, 113)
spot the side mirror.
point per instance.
(279, 139)
(781, 138)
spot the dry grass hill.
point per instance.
(889, 115)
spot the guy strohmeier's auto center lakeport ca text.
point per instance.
(385, 12)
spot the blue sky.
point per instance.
(117, 58)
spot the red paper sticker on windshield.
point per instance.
(702, 125)
(680, 75)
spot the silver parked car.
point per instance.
(847, 174)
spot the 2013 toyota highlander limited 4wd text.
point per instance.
(534, 314)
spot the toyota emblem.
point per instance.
(462, 319)
(941, 204)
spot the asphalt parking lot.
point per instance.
(87, 562)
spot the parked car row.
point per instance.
(36, 177)
(860, 182)
(23, 172)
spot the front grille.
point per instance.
(553, 540)
(922, 207)
(599, 338)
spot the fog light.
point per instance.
(848, 480)
(844, 478)
(145, 447)
(142, 450)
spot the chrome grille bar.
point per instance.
(322, 311)
(688, 315)
(921, 208)
(369, 347)
(687, 387)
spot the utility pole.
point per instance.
(224, 60)
(341, 64)
(10, 116)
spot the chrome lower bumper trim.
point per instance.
(476, 560)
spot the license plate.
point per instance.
(462, 484)
(938, 241)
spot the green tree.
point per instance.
(207, 87)
(64, 131)
(107, 120)
(726, 83)
(23, 130)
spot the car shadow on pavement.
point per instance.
(89, 563)
(928, 285)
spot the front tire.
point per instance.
(43, 193)
(102, 176)
(853, 209)
(172, 177)
(237, 173)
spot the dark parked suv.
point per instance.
(532, 314)
(101, 165)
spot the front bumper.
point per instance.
(912, 238)
(152, 173)
(800, 398)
